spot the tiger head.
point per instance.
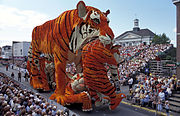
(91, 22)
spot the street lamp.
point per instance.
(177, 3)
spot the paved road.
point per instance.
(122, 110)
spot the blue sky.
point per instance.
(19, 17)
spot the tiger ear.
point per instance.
(81, 7)
(107, 12)
(115, 47)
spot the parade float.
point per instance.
(82, 36)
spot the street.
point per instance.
(123, 109)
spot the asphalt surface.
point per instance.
(122, 110)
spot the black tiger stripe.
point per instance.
(56, 38)
(30, 56)
(96, 83)
(96, 74)
(109, 92)
(91, 63)
(76, 43)
(92, 56)
(35, 55)
(61, 34)
(63, 56)
(70, 19)
(35, 75)
(33, 64)
(34, 46)
(75, 12)
(97, 51)
(95, 69)
(66, 24)
(58, 57)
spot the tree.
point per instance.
(161, 39)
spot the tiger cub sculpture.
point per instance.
(62, 36)
(93, 82)
(94, 57)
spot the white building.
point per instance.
(136, 36)
(20, 49)
(6, 52)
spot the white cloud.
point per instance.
(17, 25)
(13, 17)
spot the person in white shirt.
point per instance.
(161, 95)
(130, 82)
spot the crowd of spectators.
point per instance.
(15, 101)
(142, 55)
(153, 91)
(15, 63)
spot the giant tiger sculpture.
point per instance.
(93, 82)
(60, 38)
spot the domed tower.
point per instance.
(136, 25)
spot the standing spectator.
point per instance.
(130, 82)
(26, 77)
(167, 107)
(161, 95)
(7, 67)
(12, 74)
(19, 76)
(159, 107)
(178, 86)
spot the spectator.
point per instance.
(167, 107)
(159, 107)
(178, 86)
(12, 74)
(161, 95)
(19, 76)
(6, 67)
(16, 101)
(130, 82)
(26, 77)
(136, 98)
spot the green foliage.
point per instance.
(161, 39)
(169, 55)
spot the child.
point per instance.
(167, 107)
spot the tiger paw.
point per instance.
(59, 98)
(37, 84)
(104, 101)
(114, 103)
(46, 89)
(87, 106)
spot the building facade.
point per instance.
(20, 50)
(6, 52)
(135, 37)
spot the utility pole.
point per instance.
(177, 3)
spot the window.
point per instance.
(21, 51)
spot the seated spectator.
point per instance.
(141, 97)
(145, 100)
(136, 98)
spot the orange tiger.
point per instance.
(94, 57)
(62, 36)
